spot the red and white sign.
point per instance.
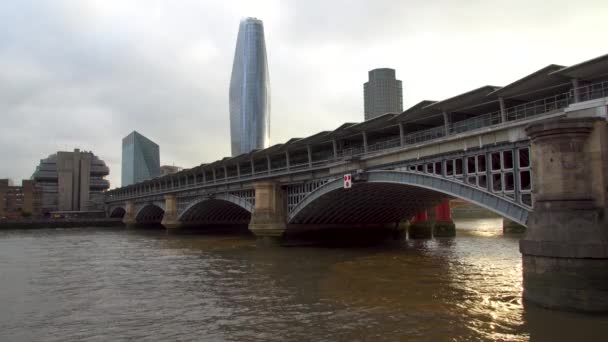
(348, 181)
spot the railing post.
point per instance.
(287, 159)
(309, 150)
(269, 163)
(577, 97)
(503, 111)
(335, 147)
(446, 123)
(401, 134)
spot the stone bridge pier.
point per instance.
(269, 219)
(565, 249)
(171, 216)
(129, 219)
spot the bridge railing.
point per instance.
(592, 91)
(425, 135)
(481, 121)
(384, 144)
(542, 106)
(520, 112)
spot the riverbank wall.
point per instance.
(59, 223)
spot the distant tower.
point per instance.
(383, 93)
(140, 159)
(249, 90)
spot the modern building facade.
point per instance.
(140, 159)
(71, 181)
(383, 93)
(169, 170)
(20, 201)
(249, 90)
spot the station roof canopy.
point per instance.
(466, 101)
(416, 112)
(534, 83)
(269, 150)
(313, 139)
(374, 123)
(588, 70)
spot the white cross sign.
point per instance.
(348, 181)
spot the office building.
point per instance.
(382, 94)
(71, 181)
(140, 159)
(249, 90)
(19, 201)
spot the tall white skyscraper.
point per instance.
(249, 90)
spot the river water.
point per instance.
(94, 284)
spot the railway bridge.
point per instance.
(534, 151)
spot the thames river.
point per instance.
(95, 284)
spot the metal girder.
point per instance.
(441, 187)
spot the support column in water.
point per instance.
(444, 225)
(421, 226)
(129, 219)
(269, 218)
(565, 249)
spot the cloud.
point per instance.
(84, 74)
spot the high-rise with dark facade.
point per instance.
(382, 94)
(140, 159)
(249, 90)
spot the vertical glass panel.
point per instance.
(495, 161)
(496, 182)
(481, 163)
(507, 158)
(470, 164)
(509, 181)
(524, 180)
(449, 167)
(458, 166)
(524, 157)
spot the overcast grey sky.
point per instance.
(85, 73)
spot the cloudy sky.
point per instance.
(85, 73)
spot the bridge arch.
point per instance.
(218, 209)
(388, 196)
(149, 214)
(118, 212)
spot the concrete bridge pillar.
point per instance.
(444, 225)
(129, 218)
(269, 218)
(171, 216)
(565, 249)
(421, 226)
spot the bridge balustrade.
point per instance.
(516, 113)
(592, 91)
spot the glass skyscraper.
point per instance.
(249, 90)
(140, 159)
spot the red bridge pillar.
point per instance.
(439, 223)
(444, 226)
(420, 226)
